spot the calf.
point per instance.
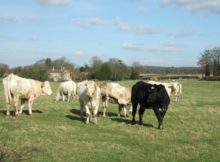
(149, 96)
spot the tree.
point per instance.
(205, 62)
(136, 69)
(210, 62)
(3, 69)
(104, 72)
(48, 63)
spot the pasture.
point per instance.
(56, 133)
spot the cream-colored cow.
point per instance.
(89, 97)
(66, 90)
(116, 94)
(172, 88)
(17, 90)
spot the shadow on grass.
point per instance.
(122, 120)
(108, 114)
(33, 111)
(74, 118)
(128, 121)
(24, 112)
(75, 111)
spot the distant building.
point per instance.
(59, 75)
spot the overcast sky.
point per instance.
(152, 32)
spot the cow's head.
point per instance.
(152, 93)
(91, 89)
(46, 89)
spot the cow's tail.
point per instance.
(7, 91)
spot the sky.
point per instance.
(151, 32)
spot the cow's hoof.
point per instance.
(87, 121)
(140, 123)
(133, 122)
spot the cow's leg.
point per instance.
(119, 110)
(8, 109)
(95, 114)
(16, 106)
(30, 102)
(104, 108)
(105, 105)
(141, 113)
(125, 111)
(63, 96)
(68, 97)
(159, 117)
(22, 106)
(81, 109)
(134, 109)
(87, 114)
(164, 110)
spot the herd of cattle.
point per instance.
(154, 95)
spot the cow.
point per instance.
(18, 90)
(116, 94)
(149, 96)
(172, 88)
(177, 90)
(66, 90)
(89, 96)
(169, 87)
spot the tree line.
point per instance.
(114, 69)
(209, 61)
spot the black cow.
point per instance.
(149, 96)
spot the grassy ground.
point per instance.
(56, 133)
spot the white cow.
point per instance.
(172, 88)
(177, 90)
(17, 90)
(66, 90)
(116, 94)
(168, 86)
(89, 96)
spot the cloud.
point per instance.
(167, 48)
(207, 6)
(90, 22)
(54, 2)
(3, 35)
(35, 39)
(142, 10)
(135, 28)
(7, 19)
(133, 46)
(78, 53)
(181, 34)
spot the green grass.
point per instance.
(191, 130)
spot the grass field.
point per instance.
(56, 133)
